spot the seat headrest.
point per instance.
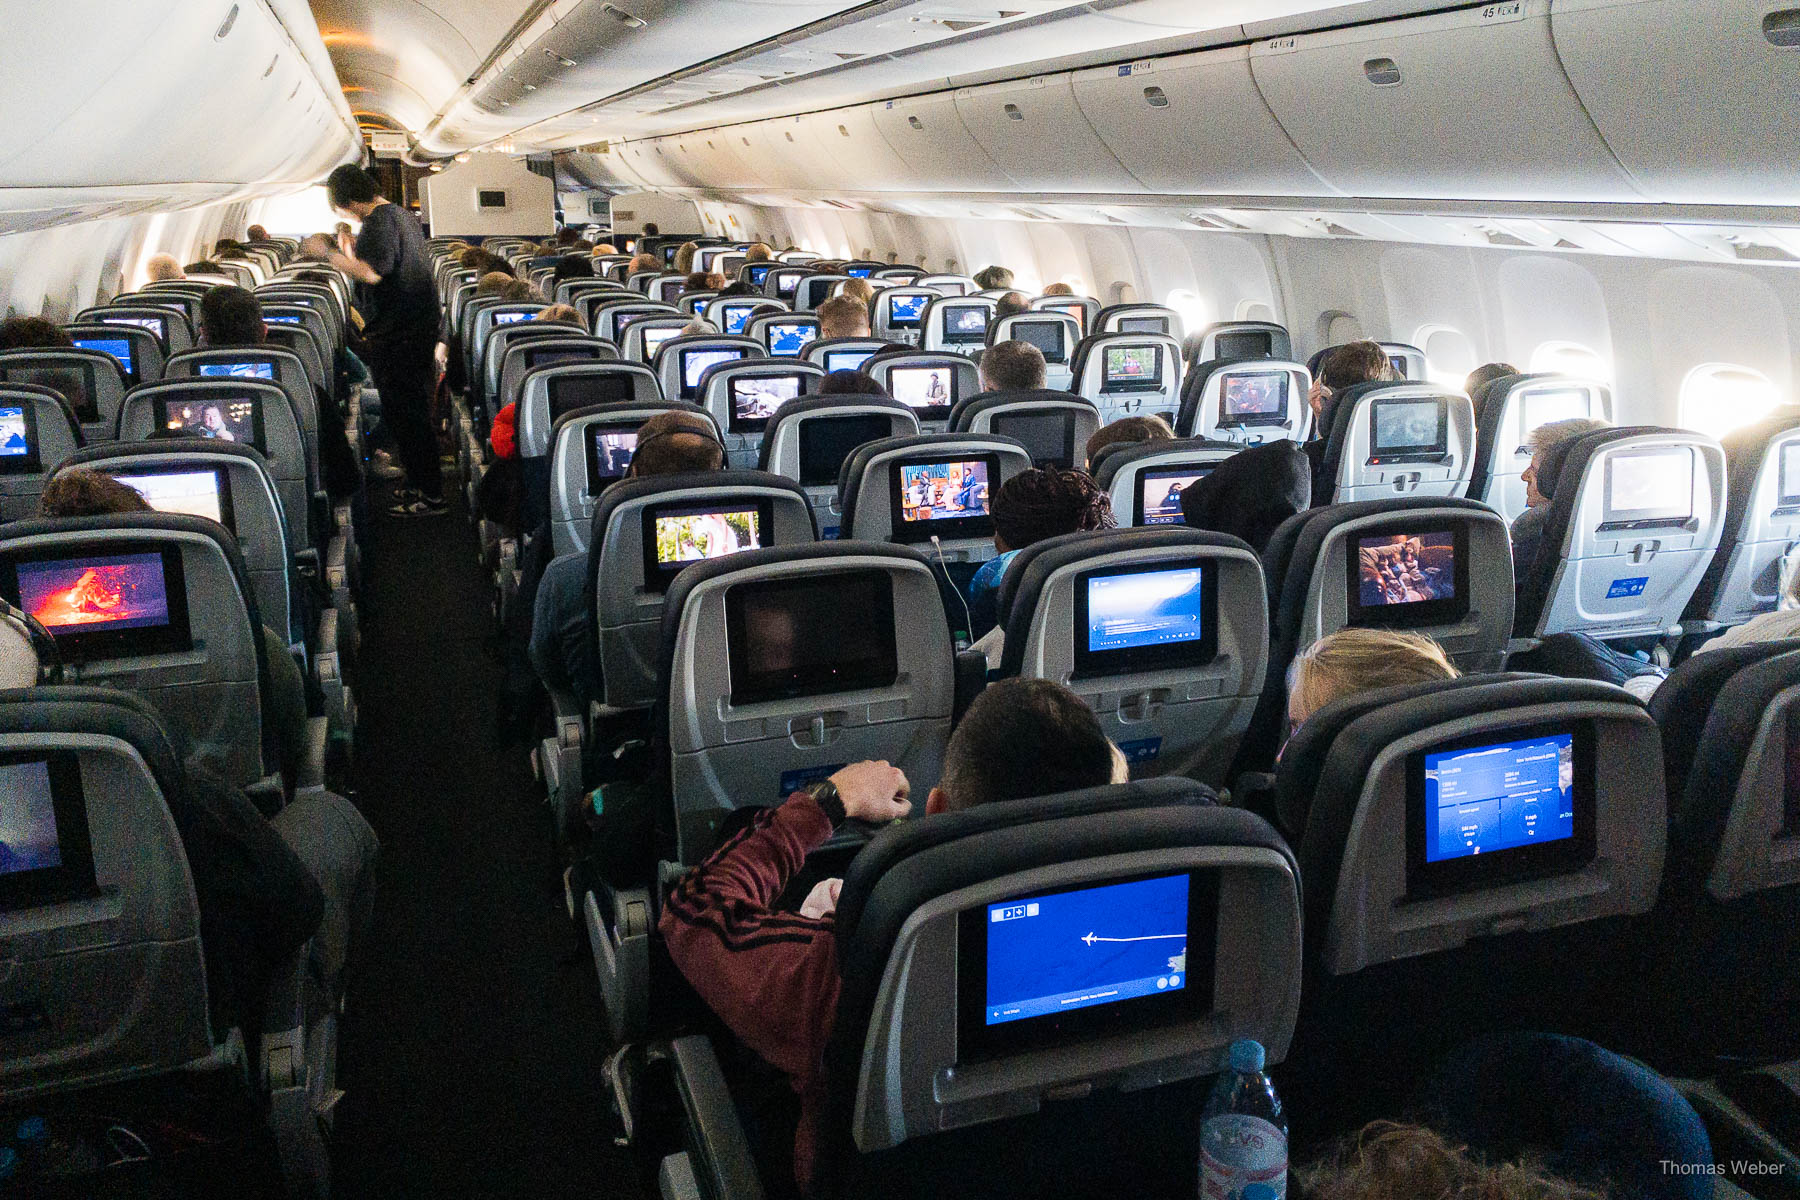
(626, 491)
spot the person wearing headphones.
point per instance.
(563, 652)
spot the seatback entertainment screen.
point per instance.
(1410, 579)
(1160, 491)
(946, 497)
(1141, 617)
(1254, 398)
(790, 638)
(928, 391)
(105, 604)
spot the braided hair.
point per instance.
(1047, 501)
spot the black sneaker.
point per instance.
(409, 503)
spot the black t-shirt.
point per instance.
(404, 303)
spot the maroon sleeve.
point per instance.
(772, 977)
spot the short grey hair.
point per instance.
(1557, 432)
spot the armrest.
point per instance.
(281, 1059)
(307, 566)
(718, 1151)
(309, 775)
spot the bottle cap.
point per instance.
(1247, 1055)
(1259, 1191)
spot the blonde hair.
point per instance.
(494, 283)
(1360, 660)
(606, 248)
(1386, 1160)
(684, 257)
(759, 252)
(163, 266)
(1058, 289)
(643, 262)
(857, 289)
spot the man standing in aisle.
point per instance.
(400, 311)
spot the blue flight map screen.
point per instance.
(1078, 949)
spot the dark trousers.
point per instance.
(405, 372)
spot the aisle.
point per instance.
(472, 1049)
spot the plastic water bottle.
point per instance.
(1243, 1134)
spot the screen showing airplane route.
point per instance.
(1081, 948)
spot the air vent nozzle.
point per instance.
(1013, 113)
(1783, 28)
(1155, 97)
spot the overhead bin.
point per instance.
(1038, 135)
(863, 160)
(1725, 125)
(1472, 103)
(726, 161)
(1193, 123)
(940, 154)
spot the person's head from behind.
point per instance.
(1540, 487)
(696, 281)
(1386, 1160)
(992, 279)
(759, 252)
(32, 333)
(561, 314)
(606, 248)
(851, 383)
(1020, 739)
(857, 289)
(78, 492)
(350, 189)
(473, 259)
(1046, 502)
(652, 229)
(643, 264)
(256, 233)
(1128, 430)
(1483, 375)
(1344, 368)
(1011, 305)
(231, 316)
(568, 235)
(1353, 660)
(205, 266)
(518, 291)
(674, 442)
(699, 327)
(1012, 366)
(494, 283)
(843, 317)
(1059, 289)
(573, 266)
(161, 267)
(684, 257)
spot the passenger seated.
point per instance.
(1355, 660)
(231, 316)
(1387, 1159)
(759, 252)
(859, 290)
(79, 492)
(565, 314)
(684, 257)
(1128, 431)
(697, 327)
(1481, 376)
(1011, 305)
(844, 316)
(572, 266)
(1039, 503)
(642, 264)
(160, 268)
(563, 652)
(772, 976)
(1013, 366)
(698, 281)
(1548, 444)
(503, 436)
(1058, 289)
(32, 333)
(264, 887)
(1775, 626)
(1343, 369)
(1251, 493)
(993, 279)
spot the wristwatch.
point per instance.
(825, 795)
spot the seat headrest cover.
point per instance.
(1251, 493)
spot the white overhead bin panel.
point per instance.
(726, 162)
(1725, 128)
(647, 160)
(784, 161)
(1469, 104)
(929, 135)
(1194, 124)
(1036, 132)
(865, 161)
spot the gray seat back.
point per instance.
(37, 432)
(810, 439)
(682, 361)
(1243, 339)
(105, 979)
(549, 392)
(1250, 402)
(914, 465)
(1165, 634)
(143, 418)
(1054, 334)
(783, 334)
(1762, 524)
(141, 348)
(1400, 439)
(897, 313)
(739, 631)
(956, 325)
(93, 383)
(929, 383)
(171, 330)
(632, 518)
(1145, 481)
(590, 449)
(1129, 374)
(742, 396)
(1505, 417)
(188, 639)
(539, 354)
(289, 374)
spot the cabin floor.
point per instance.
(472, 1045)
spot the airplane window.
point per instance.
(1570, 358)
(1449, 354)
(1192, 308)
(1720, 397)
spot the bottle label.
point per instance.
(1242, 1157)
